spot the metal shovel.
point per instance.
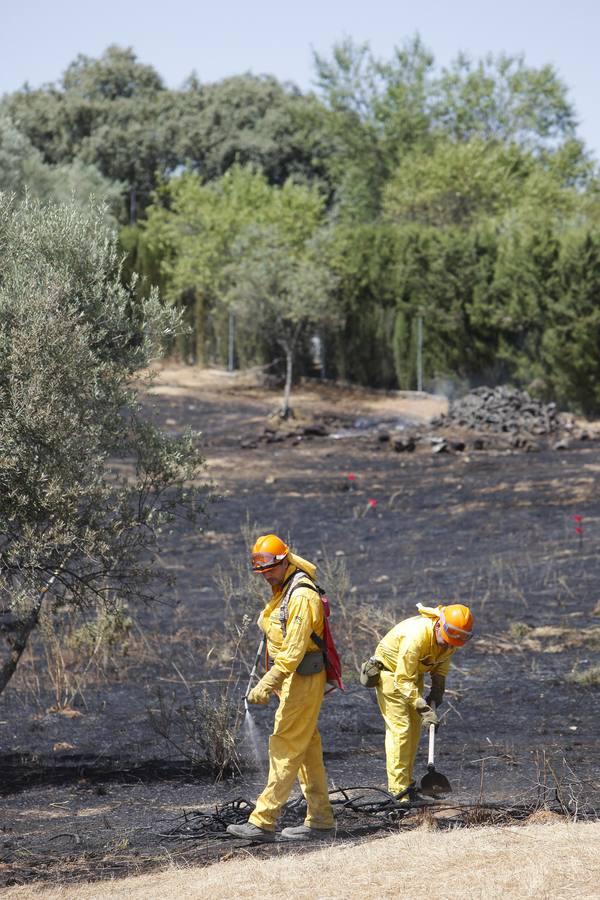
(434, 784)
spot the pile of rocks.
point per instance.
(503, 409)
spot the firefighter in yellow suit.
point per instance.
(288, 621)
(420, 644)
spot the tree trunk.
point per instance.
(17, 633)
(199, 329)
(17, 636)
(231, 343)
(182, 341)
(132, 206)
(289, 360)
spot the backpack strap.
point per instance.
(319, 590)
(287, 587)
(318, 641)
(295, 582)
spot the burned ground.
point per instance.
(91, 787)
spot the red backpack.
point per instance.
(333, 663)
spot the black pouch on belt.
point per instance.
(311, 663)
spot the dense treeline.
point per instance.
(396, 193)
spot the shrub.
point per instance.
(72, 531)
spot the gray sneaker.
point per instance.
(250, 832)
(306, 833)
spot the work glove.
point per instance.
(436, 693)
(270, 682)
(370, 672)
(428, 716)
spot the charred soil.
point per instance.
(91, 788)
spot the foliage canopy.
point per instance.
(460, 195)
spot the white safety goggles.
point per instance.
(262, 562)
(454, 632)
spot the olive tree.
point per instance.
(86, 483)
(192, 235)
(280, 288)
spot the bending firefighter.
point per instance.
(423, 643)
(291, 621)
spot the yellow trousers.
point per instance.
(402, 733)
(295, 752)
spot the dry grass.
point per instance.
(312, 397)
(586, 677)
(535, 860)
(547, 639)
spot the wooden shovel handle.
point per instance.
(431, 752)
(431, 746)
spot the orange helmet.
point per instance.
(456, 624)
(268, 552)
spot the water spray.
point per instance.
(250, 731)
(253, 672)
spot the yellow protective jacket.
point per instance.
(410, 649)
(305, 615)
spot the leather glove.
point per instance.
(270, 682)
(428, 716)
(436, 693)
(370, 672)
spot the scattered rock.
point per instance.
(273, 437)
(406, 445)
(315, 430)
(564, 444)
(524, 442)
(439, 445)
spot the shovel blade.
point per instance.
(434, 784)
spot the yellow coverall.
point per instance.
(407, 651)
(295, 745)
